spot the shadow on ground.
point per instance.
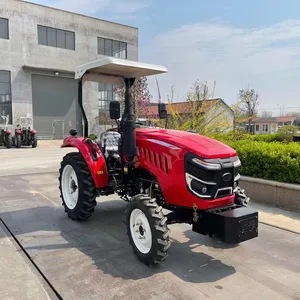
(48, 234)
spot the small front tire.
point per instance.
(77, 188)
(147, 230)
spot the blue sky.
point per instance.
(239, 44)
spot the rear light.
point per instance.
(206, 165)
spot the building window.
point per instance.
(5, 95)
(257, 127)
(106, 95)
(4, 32)
(265, 127)
(54, 37)
(112, 48)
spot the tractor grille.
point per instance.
(211, 184)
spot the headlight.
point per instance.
(237, 163)
(197, 186)
(206, 165)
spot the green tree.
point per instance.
(247, 109)
(199, 111)
(140, 96)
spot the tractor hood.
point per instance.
(198, 144)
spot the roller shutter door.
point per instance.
(55, 107)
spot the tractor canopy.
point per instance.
(120, 72)
(115, 70)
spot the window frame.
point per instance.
(7, 31)
(103, 102)
(57, 30)
(7, 103)
(117, 54)
(265, 127)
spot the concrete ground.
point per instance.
(93, 260)
(18, 280)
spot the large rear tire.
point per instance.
(18, 141)
(147, 230)
(34, 141)
(77, 188)
(8, 141)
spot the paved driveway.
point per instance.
(93, 260)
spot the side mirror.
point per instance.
(162, 111)
(114, 110)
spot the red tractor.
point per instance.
(25, 135)
(5, 134)
(166, 176)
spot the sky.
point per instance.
(237, 44)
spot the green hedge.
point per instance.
(284, 135)
(274, 161)
(268, 138)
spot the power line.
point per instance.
(285, 107)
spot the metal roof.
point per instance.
(108, 68)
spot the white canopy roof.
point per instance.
(113, 69)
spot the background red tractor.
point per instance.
(166, 176)
(5, 133)
(24, 134)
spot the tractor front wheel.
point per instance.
(77, 188)
(147, 230)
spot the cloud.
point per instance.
(119, 9)
(266, 59)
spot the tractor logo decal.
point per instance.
(227, 177)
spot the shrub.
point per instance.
(274, 161)
(92, 136)
(268, 138)
(234, 135)
(286, 133)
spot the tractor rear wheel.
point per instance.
(147, 230)
(34, 141)
(18, 141)
(77, 188)
(8, 141)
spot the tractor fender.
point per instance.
(8, 131)
(95, 160)
(18, 131)
(33, 131)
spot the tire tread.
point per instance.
(158, 224)
(87, 197)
